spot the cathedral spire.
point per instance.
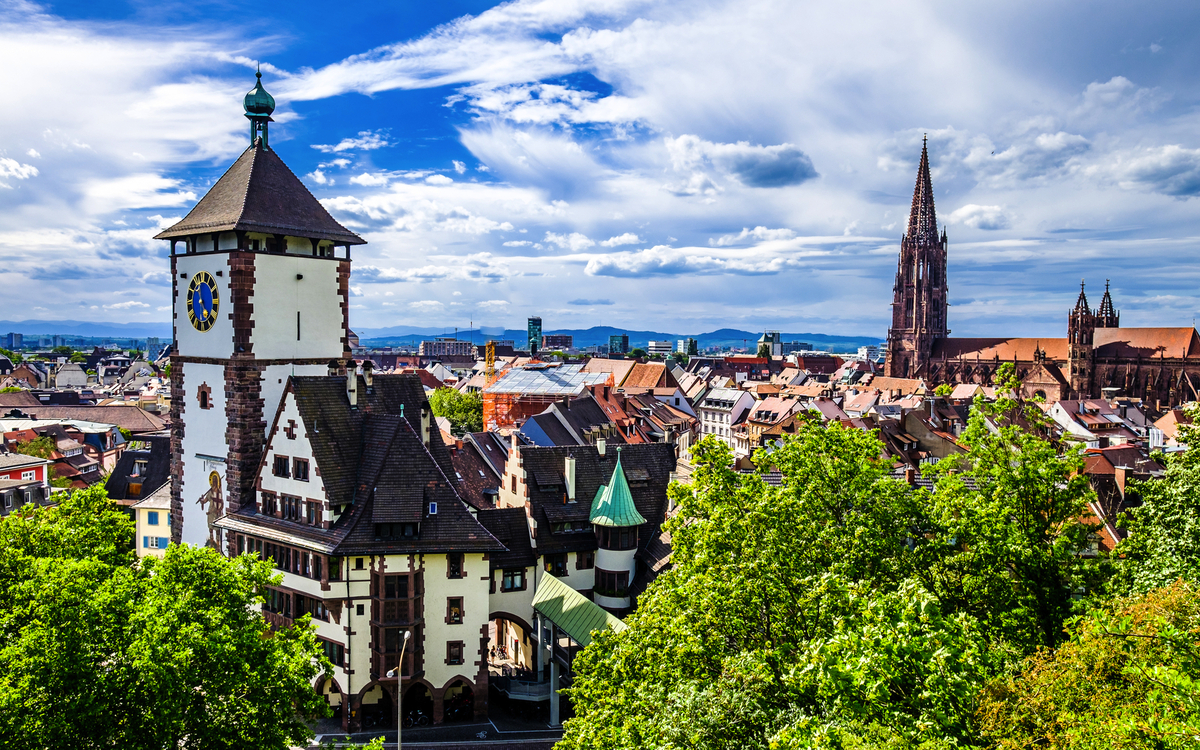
(922, 220)
(1081, 304)
(1108, 317)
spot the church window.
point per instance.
(204, 396)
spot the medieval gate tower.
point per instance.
(261, 276)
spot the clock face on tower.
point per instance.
(202, 301)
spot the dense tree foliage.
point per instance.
(99, 649)
(464, 410)
(849, 608)
(13, 357)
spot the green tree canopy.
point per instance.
(102, 650)
(464, 410)
(1128, 678)
(62, 351)
(13, 357)
(637, 353)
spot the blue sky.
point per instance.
(677, 166)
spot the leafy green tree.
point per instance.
(13, 357)
(1164, 531)
(637, 353)
(758, 632)
(1004, 536)
(100, 649)
(10, 389)
(62, 351)
(77, 357)
(40, 447)
(764, 350)
(679, 357)
(1129, 677)
(464, 410)
(944, 390)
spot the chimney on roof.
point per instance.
(910, 476)
(368, 374)
(569, 477)
(352, 386)
(333, 368)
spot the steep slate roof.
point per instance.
(158, 468)
(373, 460)
(23, 398)
(647, 467)
(613, 505)
(474, 476)
(649, 375)
(510, 526)
(260, 194)
(571, 612)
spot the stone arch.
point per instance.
(419, 703)
(458, 699)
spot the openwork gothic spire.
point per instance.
(1081, 304)
(1108, 316)
(922, 220)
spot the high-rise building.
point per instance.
(13, 341)
(261, 276)
(446, 347)
(659, 347)
(534, 331)
(618, 343)
(687, 346)
(557, 341)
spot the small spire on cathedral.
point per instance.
(1109, 317)
(1081, 304)
(922, 220)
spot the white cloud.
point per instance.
(16, 170)
(628, 238)
(573, 241)
(753, 166)
(370, 180)
(459, 166)
(427, 305)
(33, 153)
(367, 140)
(494, 304)
(757, 234)
(439, 179)
(319, 177)
(473, 267)
(981, 217)
(518, 243)
(129, 305)
(1171, 170)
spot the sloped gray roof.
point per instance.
(260, 194)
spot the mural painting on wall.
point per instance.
(213, 504)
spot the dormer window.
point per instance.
(386, 532)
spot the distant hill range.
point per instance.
(398, 335)
(598, 336)
(86, 329)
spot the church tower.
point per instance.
(260, 281)
(1081, 329)
(919, 298)
(1107, 317)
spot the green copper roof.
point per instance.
(571, 612)
(258, 102)
(613, 505)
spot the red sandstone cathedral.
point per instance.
(1097, 358)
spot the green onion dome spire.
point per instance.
(258, 101)
(259, 106)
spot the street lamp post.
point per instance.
(399, 693)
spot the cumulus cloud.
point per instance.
(129, 305)
(367, 140)
(757, 234)
(663, 260)
(11, 168)
(573, 241)
(1170, 170)
(628, 238)
(459, 166)
(494, 304)
(753, 166)
(981, 217)
(474, 267)
(369, 180)
(427, 305)
(439, 179)
(319, 177)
